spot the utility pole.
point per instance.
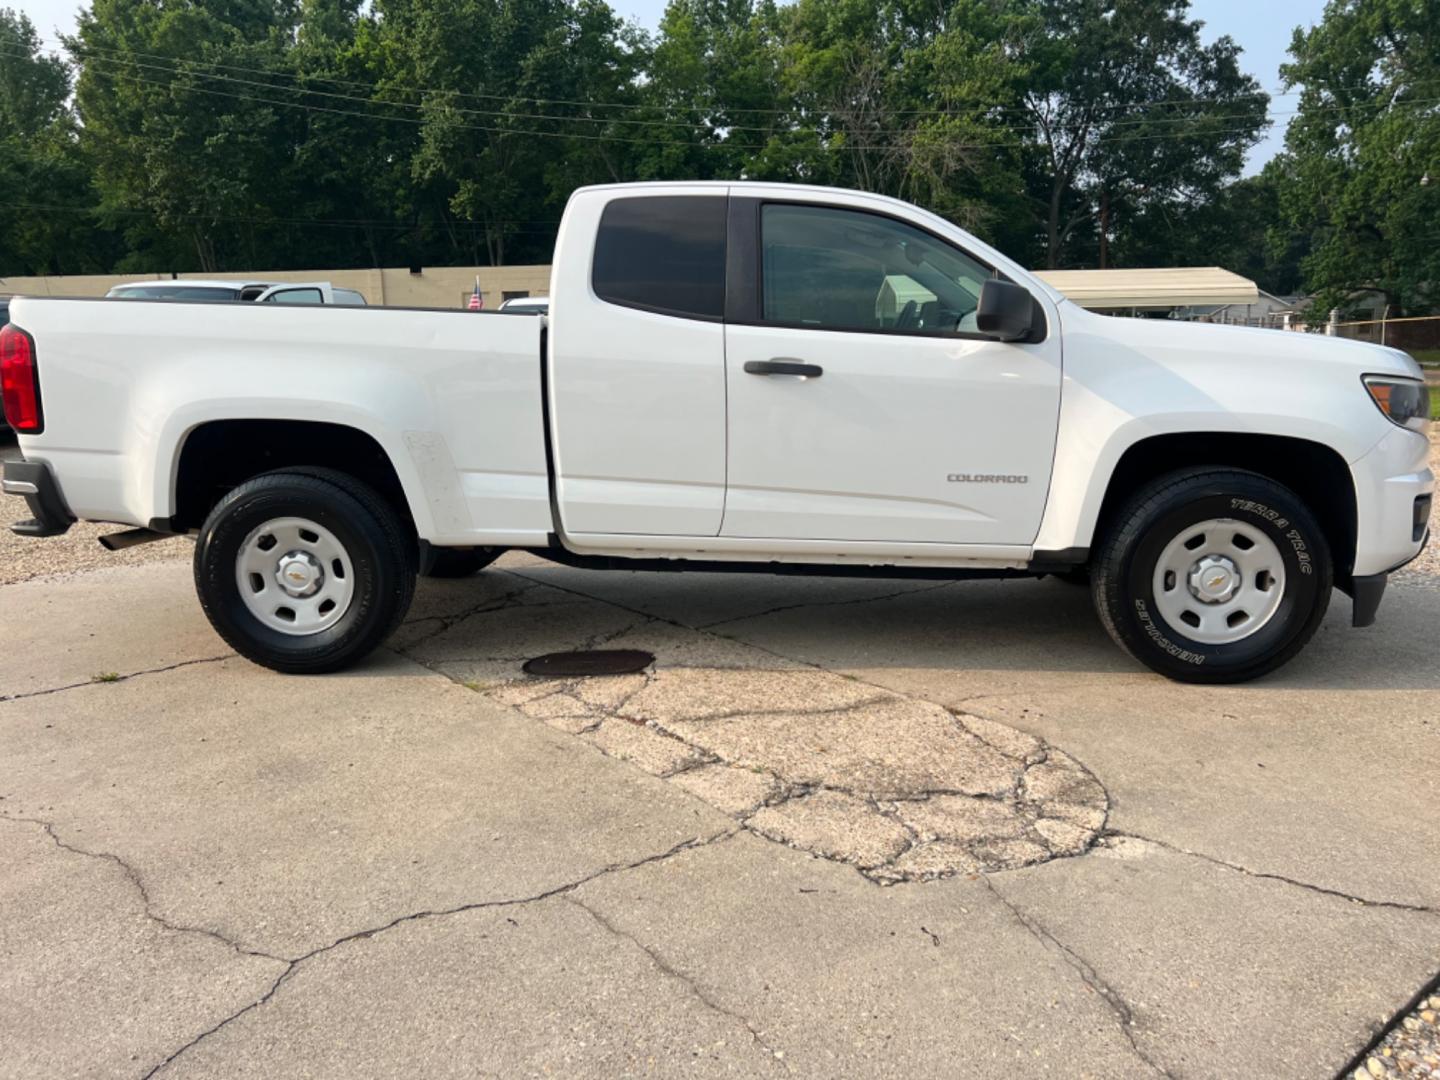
(1104, 228)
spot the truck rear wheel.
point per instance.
(303, 573)
(1213, 576)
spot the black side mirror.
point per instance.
(1006, 311)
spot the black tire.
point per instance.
(378, 542)
(461, 562)
(1126, 564)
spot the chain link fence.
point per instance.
(1414, 335)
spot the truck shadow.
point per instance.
(1030, 634)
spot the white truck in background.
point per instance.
(733, 376)
(250, 291)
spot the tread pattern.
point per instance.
(398, 547)
(1136, 516)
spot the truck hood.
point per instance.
(1171, 340)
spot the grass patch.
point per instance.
(106, 676)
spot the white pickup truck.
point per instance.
(733, 377)
(251, 291)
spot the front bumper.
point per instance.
(1393, 491)
(36, 484)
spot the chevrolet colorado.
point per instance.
(733, 377)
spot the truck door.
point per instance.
(307, 293)
(863, 403)
(637, 364)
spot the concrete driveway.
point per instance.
(840, 828)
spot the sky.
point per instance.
(1262, 29)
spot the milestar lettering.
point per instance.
(987, 478)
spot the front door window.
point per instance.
(829, 269)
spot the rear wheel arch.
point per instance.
(218, 456)
(1316, 473)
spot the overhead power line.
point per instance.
(988, 144)
(333, 223)
(189, 70)
(1281, 91)
(129, 56)
(697, 105)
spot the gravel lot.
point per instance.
(74, 553)
(1412, 1050)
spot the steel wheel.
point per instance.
(295, 576)
(305, 571)
(1212, 575)
(1219, 581)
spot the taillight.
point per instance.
(20, 381)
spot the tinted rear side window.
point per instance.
(664, 253)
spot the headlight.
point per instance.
(1405, 401)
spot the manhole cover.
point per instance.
(568, 665)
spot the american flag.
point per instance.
(476, 300)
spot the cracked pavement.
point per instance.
(899, 787)
(839, 828)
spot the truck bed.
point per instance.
(452, 397)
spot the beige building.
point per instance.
(1149, 289)
(433, 287)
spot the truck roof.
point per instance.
(741, 186)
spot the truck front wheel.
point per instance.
(304, 573)
(1213, 576)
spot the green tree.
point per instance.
(1130, 113)
(46, 221)
(349, 170)
(516, 109)
(905, 98)
(1361, 172)
(186, 153)
(33, 86)
(712, 94)
(1239, 228)
(250, 134)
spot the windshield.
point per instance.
(174, 292)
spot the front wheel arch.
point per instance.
(1316, 473)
